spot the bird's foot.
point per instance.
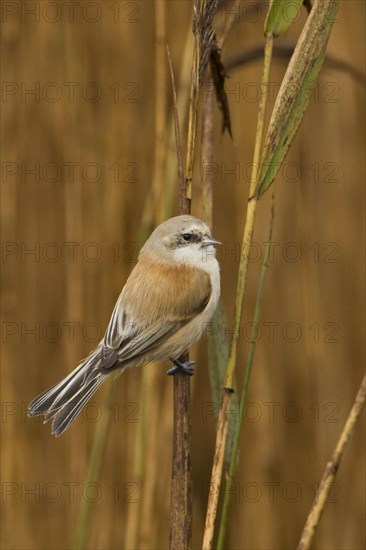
(184, 368)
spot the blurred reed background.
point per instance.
(78, 118)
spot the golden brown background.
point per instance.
(87, 132)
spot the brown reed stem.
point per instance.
(331, 469)
(181, 488)
(180, 535)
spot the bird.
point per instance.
(165, 305)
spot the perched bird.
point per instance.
(166, 303)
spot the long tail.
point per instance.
(64, 401)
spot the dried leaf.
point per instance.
(218, 76)
(294, 94)
(207, 35)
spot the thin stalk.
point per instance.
(133, 520)
(99, 441)
(160, 108)
(148, 534)
(180, 533)
(193, 104)
(233, 14)
(251, 211)
(182, 107)
(242, 277)
(331, 469)
(244, 394)
(183, 204)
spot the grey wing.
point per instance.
(126, 341)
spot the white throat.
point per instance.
(198, 257)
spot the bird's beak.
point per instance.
(207, 241)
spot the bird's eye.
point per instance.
(187, 237)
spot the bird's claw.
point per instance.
(184, 368)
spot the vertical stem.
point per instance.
(182, 107)
(181, 489)
(242, 278)
(160, 107)
(193, 104)
(180, 535)
(99, 442)
(213, 495)
(244, 394)
(331, 469)
(251, 211)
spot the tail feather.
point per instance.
(63, 395)
(63, 417)
(72, 385)
(64, 401)
(42, 403)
